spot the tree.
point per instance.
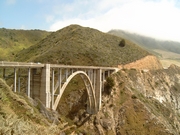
(109, 85)
(122, 43)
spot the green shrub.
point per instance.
(109, 85)
(134, 96)
(122, 43)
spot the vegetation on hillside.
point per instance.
(122, 43)
(19, 116)
(12, 41)
(125, 109)
(76, 45)
(109, 84)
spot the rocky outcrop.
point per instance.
(18, 116)
(157, 91)
(148, 62)
(141, 102)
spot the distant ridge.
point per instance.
(148, 43)
(77, 45)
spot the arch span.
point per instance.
(91, 107)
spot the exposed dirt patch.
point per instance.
(148, 62)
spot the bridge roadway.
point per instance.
(47, 82)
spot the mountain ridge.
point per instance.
(77, 45)
(148, 42)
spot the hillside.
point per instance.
(168, 51)
(76, 45)
(12, 41)
(19, 116)
(140, 103)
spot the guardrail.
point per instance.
(20, 64)
(81, 67)
(39, 65)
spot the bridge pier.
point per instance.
(19, 80)
(45, 86)
(98, 88)
(14, 79)
(40, 85)
(52, 89)
(28, 84)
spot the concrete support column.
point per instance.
(98, 88)
(35, 83)
(89, 73)
(19, 81)
(72, 71)
(91, 76)
(45, 96)
(14, 79)
(4, 73)
(59, 79)
(29, 80)
(109, 73)
(66, 75)
(94, 79)
(52, 92)
(103, 79)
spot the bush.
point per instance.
(122, 43)
(109, 85)
(134, 96)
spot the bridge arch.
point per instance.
(92, 105)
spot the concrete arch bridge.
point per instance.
(48, 82)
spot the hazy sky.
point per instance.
(156, 18)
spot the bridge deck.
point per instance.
(81, 67)
(21, 64)
(39, 65)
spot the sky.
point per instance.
(155, 18)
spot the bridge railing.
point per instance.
(20, 64)
(82, 67)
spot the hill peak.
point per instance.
(75, 27)
(77, 45)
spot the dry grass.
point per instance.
(18, 126)
(76, 45)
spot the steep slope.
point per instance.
(19, 116)
(140, 103)
(12, 41)
(76, 45)
(159, 91)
